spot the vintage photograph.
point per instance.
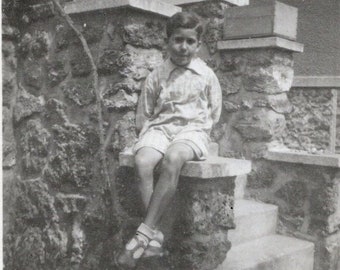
(171, 134)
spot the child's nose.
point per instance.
(184, 46)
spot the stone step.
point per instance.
(273, 252)
(253, 220)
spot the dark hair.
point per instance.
(187, 20)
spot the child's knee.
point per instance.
(172, 162)
(143, 164)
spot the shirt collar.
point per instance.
(195, 65)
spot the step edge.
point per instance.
(263, 208)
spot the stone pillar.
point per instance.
(255, 74)
(199, 239)
(202, 212)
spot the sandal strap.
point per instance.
(146, 230)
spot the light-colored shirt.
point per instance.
(179, 99)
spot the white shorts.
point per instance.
(197, 140)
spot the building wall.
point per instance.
(319, 31)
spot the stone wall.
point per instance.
(59, 208)
(310, 121)
(308, 197)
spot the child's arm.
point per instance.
(146, 102)
(215, 98)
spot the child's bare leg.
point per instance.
(146, 160)
(165, 189)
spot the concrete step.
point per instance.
(212, 167)
(273, 252)
(253, 220)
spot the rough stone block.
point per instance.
(35, 203)
(64, 36)
(276, 78)
(41, 11)
(294, 193)
(24, 44)
(121, 101)
(329, 252)
(137, 63)
(55, 112)
(128, 85)
(209, 9)
(80, 64)
(107, 62)
(213, 33)
(30, 252)
(26, 105)
(279, 103)
(34, 141)
(262, 177)
(325, 203)
(70, 203)
(9, 78)
(72, 159)
(80, 91)
(36, 44)
(40, 44)
(56, 72)
(91, 32)
(148, 35)
(8, 143)
(260, 124)
(39, 241)
(230, 84)
(33, 74)
(272, 19)
(125, 132)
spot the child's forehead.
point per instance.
(184, 32)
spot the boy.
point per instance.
(181, 101)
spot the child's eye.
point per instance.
(179, 39)
(191, 41)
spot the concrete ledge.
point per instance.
(213, 167)
(158, 7)
(316, 81)
(267, 42)
(304, 158)
(187, 2)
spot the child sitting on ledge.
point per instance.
(181, 101)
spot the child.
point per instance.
(181, 101)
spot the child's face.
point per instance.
(183, 45)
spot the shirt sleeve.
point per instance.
(147, 100)
(215, 98)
